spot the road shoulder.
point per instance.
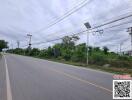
(2, 79)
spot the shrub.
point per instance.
(78, 56)
(121, 64)
(67, 54)
(98, 59)
(126, 58)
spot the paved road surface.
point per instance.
(36, 79)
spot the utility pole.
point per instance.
(30, 36)
(87, 25)
(29, 47)
(18, 44)
(130, 33)
(117, 49)
(12, 47)
(120, 46)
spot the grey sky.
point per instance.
(19, 17)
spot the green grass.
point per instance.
(113, 70)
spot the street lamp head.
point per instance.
(87, 25)
(29, 35)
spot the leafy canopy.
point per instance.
(3, 44)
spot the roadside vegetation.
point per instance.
(71, 53)
(3, 45)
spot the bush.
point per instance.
(74, 58)
(67, 54)
(98, 59)
(78, 56)
(121, 64)
(126, 58)
(59, 58)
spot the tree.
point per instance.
(79, 54)
(69, 42)
(67, 54)
(105, 50)
(56, 50)
(50, 52)
(90, 50)
(34, 52)
(75, 38)
(68, 46)
(3, 45)
(18, 51)
(97, 49)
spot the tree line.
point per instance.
(69, 50)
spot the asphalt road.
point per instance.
(37, 79)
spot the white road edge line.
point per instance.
(8, 87)
(79, 67)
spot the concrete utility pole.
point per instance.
(30, 36)
(18, 44)
(12, 46)
(130, 33)
(87, 25)
(121, 48)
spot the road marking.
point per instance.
(82, 80)
(90, 69)
(84, 68)
(8, 87)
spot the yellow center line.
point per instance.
(82, 80)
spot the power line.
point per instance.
(55, 39)
(115, 17)
(110, 23)
(91, 29)
(60, 38)
(85, 1)
(119, 24)
(75, 7)
(66, 15)
(70, 12)
(113, 21)
(104, 28)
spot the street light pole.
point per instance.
(87, 46)
(87, 25)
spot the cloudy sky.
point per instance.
(38, 17)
